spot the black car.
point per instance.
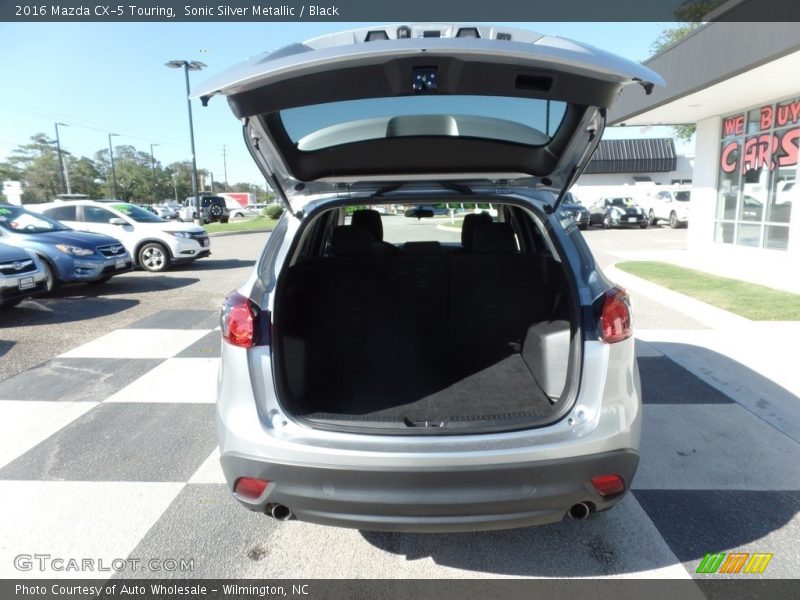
(617, 212)
(576, 211)
(212, 208)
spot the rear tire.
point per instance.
(153, 257)
(223, 220)
(644, 224)
(673, 220)
(652, 218)
(606, 222)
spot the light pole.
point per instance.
(153, 167)
(225, 164)
(190, 66)
(62, 170)
(111, 156)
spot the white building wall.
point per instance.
(704, 184)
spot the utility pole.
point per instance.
(111, 156)
(225, 164)
(62, 171)
(153, 167)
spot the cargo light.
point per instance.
(250, 487)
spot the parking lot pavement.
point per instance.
(109, 458)
(131, 450)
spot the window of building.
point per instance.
(756, 183)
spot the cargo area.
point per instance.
(423, 334)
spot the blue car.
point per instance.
(21, 276)
(66, 255)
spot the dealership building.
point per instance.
(739, 83)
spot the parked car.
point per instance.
(443, 386)
(66, 255)
(572, 207)
(670, 205)
(212, 208)
(22, 275)
(154, 243)
(167, 212)
(617, 212)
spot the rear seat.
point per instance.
(445, 305)
(495, 293)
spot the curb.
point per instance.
(226, 233)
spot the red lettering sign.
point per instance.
(790, 145)
(766, 117)
(788, 113)
(733, 126)
(729, 158)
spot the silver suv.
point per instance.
(394, 373)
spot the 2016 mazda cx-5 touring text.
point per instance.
(466, 371)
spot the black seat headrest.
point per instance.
(468, 227)
(494, 238)
(351, 240)
(371, 219)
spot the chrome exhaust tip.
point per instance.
(280, 512)
(580, 511)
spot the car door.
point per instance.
(98, 219)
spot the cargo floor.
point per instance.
(455, 390)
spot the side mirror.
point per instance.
(117, 221)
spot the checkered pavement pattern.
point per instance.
(108, 451)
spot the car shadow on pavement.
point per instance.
(718, 473)
(209, 264)
(63, 310)
(131, 283)
(5, 346)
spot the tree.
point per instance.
(85, 177)
(38, 164)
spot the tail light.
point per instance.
(608, 485)
(242, 322)
(250, 487)
(615, 319)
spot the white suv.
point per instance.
(668, 205)
(153, 243)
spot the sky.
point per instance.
(101, 78)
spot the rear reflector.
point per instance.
(242, 323)
(608, 485)
(615, 320)
(249, 487)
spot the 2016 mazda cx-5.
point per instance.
(433, 373)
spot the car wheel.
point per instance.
(153, 257)
(652, 217)
(223, 220)
(606, 222)
(644, 224)
(583, 227)
(215, 210)
(52, 280)
(673, 220)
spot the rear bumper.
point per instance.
(452, 499)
